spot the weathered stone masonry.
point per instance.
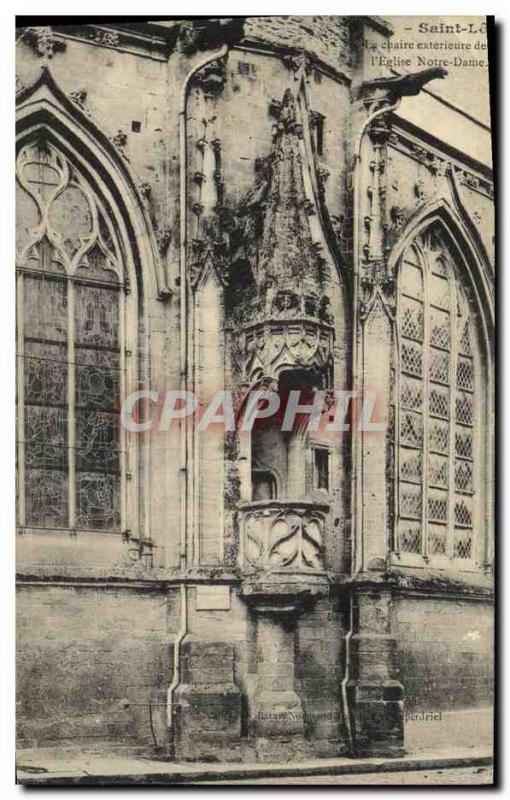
(265, 214)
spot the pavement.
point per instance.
(51, 767)
(457, 776)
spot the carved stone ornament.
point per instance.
(106, 38)
(298, 61)
(407, 85)
(210, 243)
(398, 217)
(420, 191)
(323, 174)
(212, 78)
(43, 41)
(283, 535)
(283, 253)
(79, 97)
(272, 347)
(145, 190)
(119, 140)
(476, 183)
(210, 252)
(376, 283)
(282, 311)
(164, 237)
(439, 166)
(208, 33)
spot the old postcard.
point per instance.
(255, 400)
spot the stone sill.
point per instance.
(284, 503)
(435, 563)
(423, 580)
(135, 577)
(404, 580)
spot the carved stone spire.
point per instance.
(278, 293)
(283, 253)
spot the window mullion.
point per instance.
(122, 431)
(20, 416)
(425, 410)
(396, 423)
(71, 400)
(451, 442)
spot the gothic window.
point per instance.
(69, 347)
(439, 400)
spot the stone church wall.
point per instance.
(97, 627)
(101, 687)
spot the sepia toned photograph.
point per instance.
(255, 400)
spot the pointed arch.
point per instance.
(472, 254)
(444, 389)
(467, 220)
(43, 108)
(90, 163)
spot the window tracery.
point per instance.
(438, 406)
(70, 306)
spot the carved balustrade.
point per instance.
(283, 536)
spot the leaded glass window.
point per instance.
(437, 406)
(69, 347)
